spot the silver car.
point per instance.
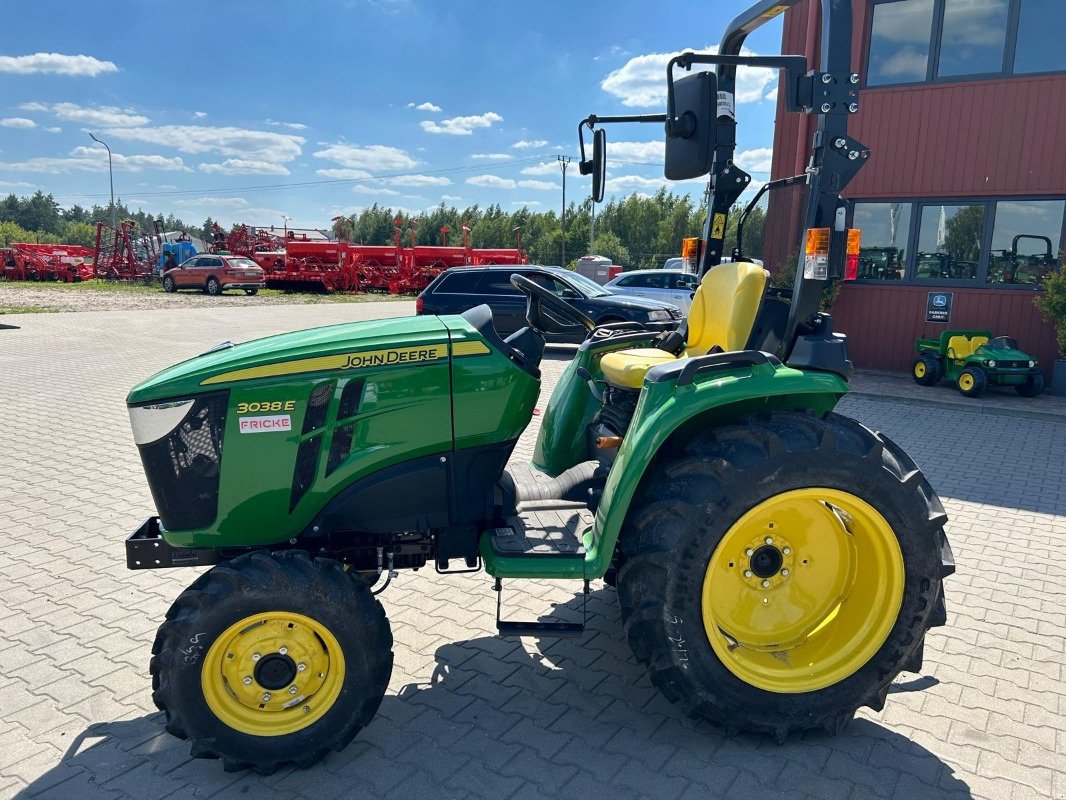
(667, 285)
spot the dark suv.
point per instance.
(461, 288)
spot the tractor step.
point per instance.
(560, 630)
(546, 529)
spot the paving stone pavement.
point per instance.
(468, 714)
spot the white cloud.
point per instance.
(296, 126)
(449, 197)
(199, 114)
(18, 122)
(17, 185)
(56, 64)
(344, 174)
(636, 152)
(240, 166)
(492, 182)
(641, 81)
(624, 181)
(461, 126)
(224, 140)
(491, 156)
(419, 180)
(375, 190)
(526, 145)
(544, 168)
(542, 185)
(426, 106)
(94, 159)
(525, 202)
(757, 159)
(108, 116)
(379, 157)
(53, 129)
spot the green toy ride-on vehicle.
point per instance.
(972, 359)
(777, 564)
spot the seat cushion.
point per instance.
(724, 309)
(959, 347)
(627, 368)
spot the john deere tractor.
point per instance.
(777, 564)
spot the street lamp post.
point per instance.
(111, 177)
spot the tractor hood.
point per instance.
(1002, 354)
(352, 344)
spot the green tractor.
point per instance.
(777, 564)
(973, 359)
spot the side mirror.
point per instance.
(691, 126)
(599, 164)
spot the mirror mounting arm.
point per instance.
(592, 120)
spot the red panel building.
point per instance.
(964, 111)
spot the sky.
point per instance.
(254, 112)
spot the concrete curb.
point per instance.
(1045, 416)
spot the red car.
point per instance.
(214, 273)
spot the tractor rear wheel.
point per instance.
(926, 370)
(271, 659)
(1034, 385)
(780, 573)
(972, 381)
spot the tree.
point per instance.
(609, 245)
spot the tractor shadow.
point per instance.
(556, 718)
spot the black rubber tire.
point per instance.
(933, 371)
(251, 292)
(688, 502)
(255, 583)
(980, 381)
(169, 286)
(1033, 385)
(213, 288)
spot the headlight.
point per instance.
(1032, 364)
(153, 422)
(659, 315)
(992, 364)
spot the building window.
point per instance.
(912, 41)
(899, 42)
(1039, 40)
(949, 242)
(1026, 241)
(885, 230)
(972, 37)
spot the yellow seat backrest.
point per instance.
(959, 347)
(976, 342)
(725, 306)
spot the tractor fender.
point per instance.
(667, 411)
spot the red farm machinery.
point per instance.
(397, 269)
(262, 246)
(47, 262)
(126, 253)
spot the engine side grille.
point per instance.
(340, 447)
(350, 397)
(304, 473)
(317, 406)
(183, 467)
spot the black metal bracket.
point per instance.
(826, 93)
(584, 166)
(147, 549)
(560, 630)
(722, 361)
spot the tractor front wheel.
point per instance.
(972, 381)
(926, 370)
(780, 573)
(271, 659)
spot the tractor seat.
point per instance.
(959, 347)
(722, 315)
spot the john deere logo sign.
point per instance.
(938, 308)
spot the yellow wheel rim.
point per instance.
(273, 674)
(803, 590)
(919, 369)
(966, 381)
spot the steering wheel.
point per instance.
(540, 303)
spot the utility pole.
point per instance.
(111, 176)
(564, 161)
